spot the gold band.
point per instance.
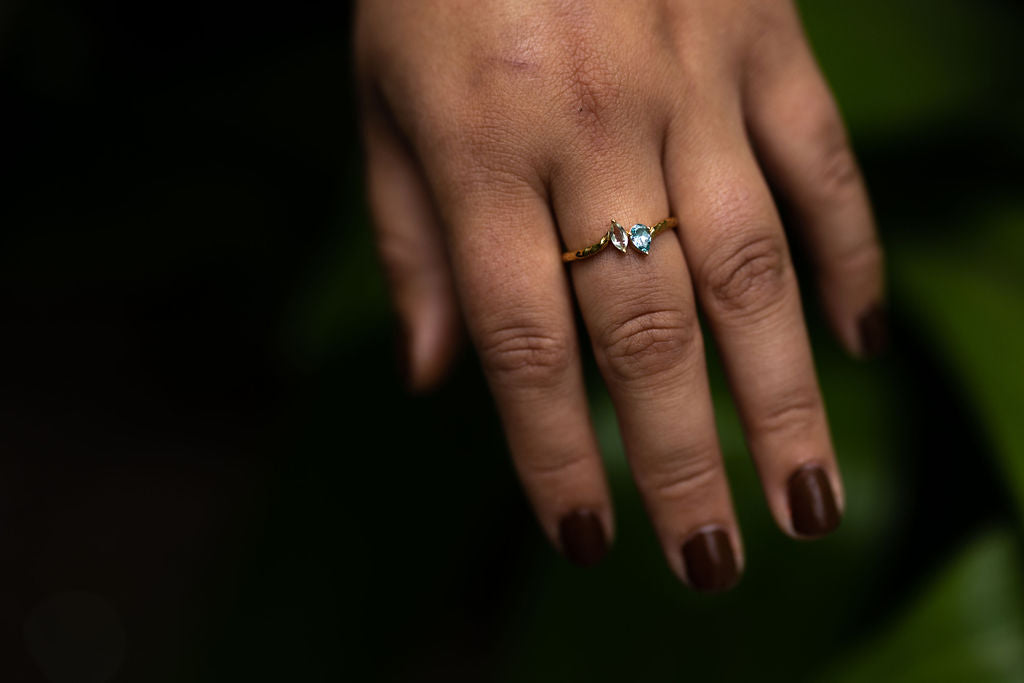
(639, 236)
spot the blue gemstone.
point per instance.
(640, 235)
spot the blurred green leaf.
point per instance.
(898, 66)
(968, 625)
(967, 295)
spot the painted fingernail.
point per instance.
(812, 506)
(874, 332)
(710, 564)
(582, 537)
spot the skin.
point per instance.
(501, 132)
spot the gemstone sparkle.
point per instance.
(619, 237)
(640, 235)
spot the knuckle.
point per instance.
(836, 168)
(483, 133)
(747, 275)
(580, 84)
(683, 478)
(526, 355)
(590, 92)
(798, 412)
(492, 174)
(476, 163)
(649, 343)
(402, 262)
(474, 138)
(482, 150)
(394, 255)
(840, 177)
(591, 89)
(860, 259)
(536, 466)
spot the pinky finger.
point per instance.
(802, 143)
(411, 248)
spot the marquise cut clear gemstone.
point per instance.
(640, 235)
(619, 237)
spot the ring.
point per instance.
(639, 236)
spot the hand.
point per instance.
(498, 131)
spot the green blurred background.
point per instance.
(208, 469)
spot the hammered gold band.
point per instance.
(639, 236)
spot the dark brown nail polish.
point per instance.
(812, 505)
(582, 537)
(874, 332)
(710, 564)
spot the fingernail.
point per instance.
(710, 564)
(812, 505)
(582, 537)
(874, 332)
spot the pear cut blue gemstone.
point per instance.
(640, 235)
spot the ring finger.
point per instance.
(639, 310)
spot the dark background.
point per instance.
(208, 469)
